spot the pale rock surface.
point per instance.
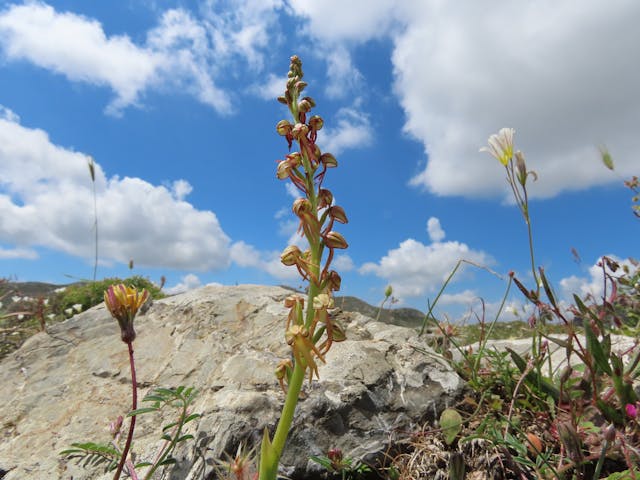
(66, 385)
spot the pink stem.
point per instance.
(132, 425)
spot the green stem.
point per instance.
(169, 447)
(284, 424)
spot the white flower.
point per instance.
(68, 311)
(20, 317)
(77, 307)
(501, 145)
(16, 298)
(59, 290)
(0, 304)
(51, 315)
(46, 301)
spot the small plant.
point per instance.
(124, 302)
(578, 420)
(336, 463)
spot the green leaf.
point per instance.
(140, 411)
(534, 379)
(191, 417)
(168, 426)
(188, 436)
(595, 348)
(167, 461)
(451, 425)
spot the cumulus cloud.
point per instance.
(46, 200)
(187, 282)
(271, 88)
(15, 253)
(342, 263)
(415, 269)
(562, 80)
(245, 255)
(350, 129)
(435, 231)
(181, 53)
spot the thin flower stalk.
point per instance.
(123, 303)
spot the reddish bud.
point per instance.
(299, 131)
(337, 213)
(335, 240)
(316, 123)
(328, 160)
(283, 127)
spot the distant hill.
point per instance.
(31, 289)
(405, 317)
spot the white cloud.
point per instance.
(351, 129)
(187, 282)
(342, 263)
(558, 73)
(14, 253)
(245, 255)
(271, 88)
(436, 234)
(562, 80)
(593, 285)
(415, 269)
(342, 75)
(357, 21)
(46, 200)
(182, 53)
(78, 48)
(465, 298)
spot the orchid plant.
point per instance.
(309, 330)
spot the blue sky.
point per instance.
(175, 101)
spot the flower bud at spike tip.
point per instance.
(304, 106)
(335, 240)
(388, 291)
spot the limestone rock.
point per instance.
(66, 385)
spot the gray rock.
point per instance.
(66, 385)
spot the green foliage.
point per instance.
(90, 294)
(336, 464)
(180, 399)
(451, 424)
